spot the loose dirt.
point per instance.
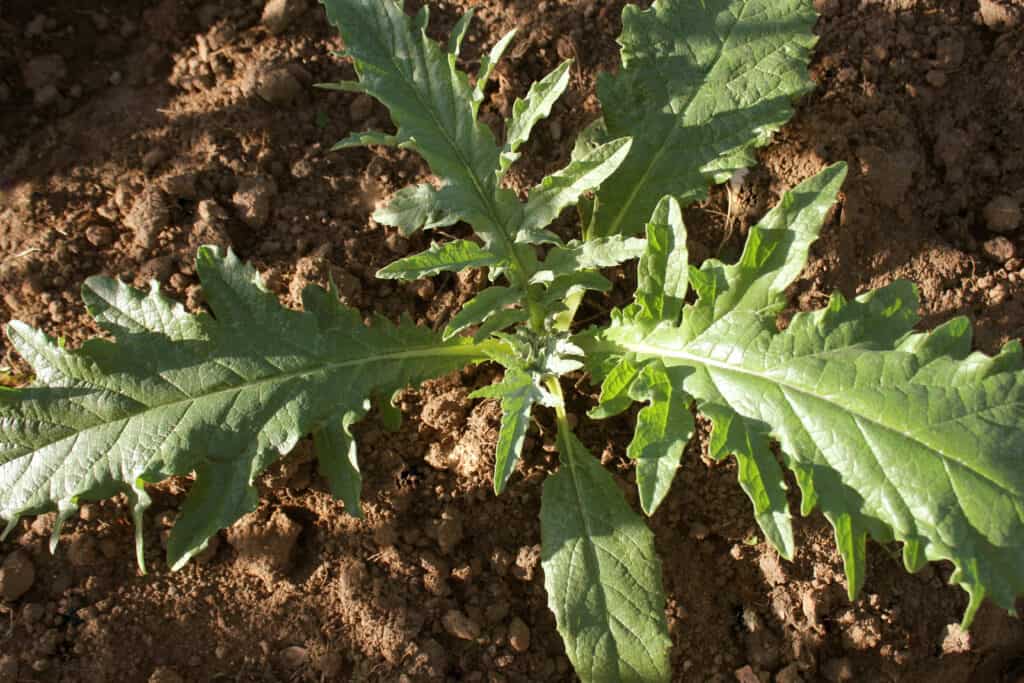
(131, 132)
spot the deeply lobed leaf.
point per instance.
(891, 434)
(220, 395)
(702, 83)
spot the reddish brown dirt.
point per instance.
(149, 133)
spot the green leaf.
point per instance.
(563, 188)
(601, 573)
(663, 428)
(336, 455)
(893, 435)
(615, 395)
(434, 108)
(595, 253)
(759, 474)
(481, 307)
(773, 257)
(518, 391)
(500, 320)
(527, 112)
(459, 32)
(453, 256)
(366, 138)
(390, 415)
(222, 396)
(564, 286)
(702, 83)
(663, 272)
(487, 64)
(413, 208)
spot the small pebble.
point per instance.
(279, 14)
(89, 512)
(955, 640)
(279, 87)
(449, 532)
(746, 675)
(519, 635)
(789, 674)
(17, 574)
(154, 158)
(9, 668)
(1002, 214)
(361, 108)
(165, 674)
(457, 624)
(999, 249)
(936, 78)
(293, 657)
(252, 200)
(100, 235)
(148, 216)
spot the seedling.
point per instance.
(900, 435)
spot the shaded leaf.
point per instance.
(601, 573)
(452, 256)
(702, 83)
(481, 307)
(526, 112)
(518, 391)
(416, 207)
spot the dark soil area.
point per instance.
(133, 131)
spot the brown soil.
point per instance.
(130, 132)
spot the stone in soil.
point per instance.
(294, 657)
(449, 532)
(99, 235)
(279, 87)
(457, 624)
(8, 668)
(746, 675)
(43, 71)
(955, 640)
(165, 674)
(149, 215)
(361, 108)
(999, 249)
(526, 563)
(265, 549)
(519, 635)
(17, 574)
(1000, 15)
(279, 14)
(1002, 214)
(252, 200)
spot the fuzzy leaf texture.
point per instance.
(601, 572)
(892, 434)
(221, 395)
(434, 108)
(433, 105)
(702, 83)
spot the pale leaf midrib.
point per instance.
(469, 351)
(702, 361)
(486, 200)
(591, 552)
(642, 180)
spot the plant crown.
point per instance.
(900, 435)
